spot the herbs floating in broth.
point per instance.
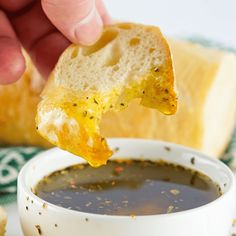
(128, 187)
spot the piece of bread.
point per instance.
(197, 69)
(206, 116)
(3, 222)
(128, 61)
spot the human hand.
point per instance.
(45, 28)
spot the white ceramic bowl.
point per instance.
(213, 219)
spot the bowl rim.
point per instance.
(50, 206)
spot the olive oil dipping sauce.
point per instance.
(128, 187)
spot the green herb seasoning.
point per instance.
(128, 187)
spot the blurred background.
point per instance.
(212, 19)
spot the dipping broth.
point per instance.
(128, 187)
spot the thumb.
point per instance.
(78, 20)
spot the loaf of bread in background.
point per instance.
(3, 222)
(206, 84)
(18, 104)
(206, 116)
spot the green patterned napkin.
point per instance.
(11, 161)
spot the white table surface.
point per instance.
(13, 225)
(214, 19)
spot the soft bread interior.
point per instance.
(129, 61)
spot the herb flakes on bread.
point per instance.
(128, 61)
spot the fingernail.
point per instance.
(89, 29)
